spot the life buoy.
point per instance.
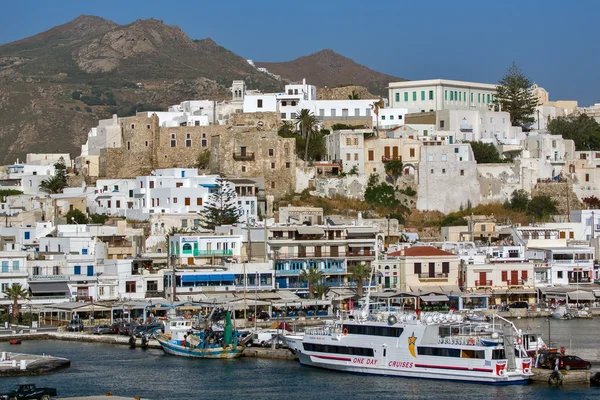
(519, 340)
(471, 342)
(345, 331)
(455, 331)
(527, 370)
(502, 373)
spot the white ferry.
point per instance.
(434, 346)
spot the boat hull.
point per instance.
(184, 351)
(429, 372)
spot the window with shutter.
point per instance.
(504, 276)
(445, 267)
(417, 268)
(524, 275)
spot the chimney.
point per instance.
(359, 219)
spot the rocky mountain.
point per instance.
(328, 68)
(57, 84)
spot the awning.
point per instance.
(357, 230)
(581, 295)
(435, 297)
(310, 230)
(48, 287)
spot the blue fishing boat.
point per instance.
(180, 339)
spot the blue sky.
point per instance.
(554, 42)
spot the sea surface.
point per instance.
(100, 368)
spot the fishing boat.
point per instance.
(561, 312)
(15, 341)
(180, 339)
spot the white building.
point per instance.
(347, 146)
(26, 177)
(204, 249)
(112, 197)
(441, 94)
(106, 135)
(562, 265)
(181, 191)
(447, 178)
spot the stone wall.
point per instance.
(265, 120)
(365, 123)
(562, 193)
(266, 155)
(351, 186)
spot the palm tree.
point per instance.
(321, 290)
(311, 275)
(394, 169)
(52, 185)
(15, 293)
(308, 124)
(375, 107)
(360, 273)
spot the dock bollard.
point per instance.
(23, 365)
(3, 357)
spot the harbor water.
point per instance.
(100, 368)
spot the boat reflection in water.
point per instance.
(180, 339)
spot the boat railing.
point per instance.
(461, 340)
(323, 331)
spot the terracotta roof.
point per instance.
(421, 251)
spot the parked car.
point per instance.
(76, 325)
(518, 304)
(114, 329)
(29, 392)
(124, 328)
(146, 330)
(101, 329)
(568, 362)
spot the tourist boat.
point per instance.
(180, 339)
(429, 345)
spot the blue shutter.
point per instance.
(4, 266)
(90, 270)
(77, 270)
(27, 235)
(15, 265)
(84, 251)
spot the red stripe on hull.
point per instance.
(454, 368)
(332, 358)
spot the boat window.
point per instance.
(438, 351)
(355, 351)
(498, 354)
(374, 330)
(473, 354)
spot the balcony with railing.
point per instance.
(515, 282)
(155, 293)
(243, 156)
(207, 253)
(437, 277)
(582, 279)
(390, 158)
(483, 283)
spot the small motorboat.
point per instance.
(15, 341)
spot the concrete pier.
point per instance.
(267, 352)
(569, 377)
(20, 364)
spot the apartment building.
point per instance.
(333, 250)
(441, 94)
(562, 265)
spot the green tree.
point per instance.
(57, 182)
(354, 96)
(376, 106)
(486, 153)
(203, 159)
(8, 192)
(541, 207)
(515, 96)
(360, 273)
(221, 207)
(76, 217)
(582, 129)
(321, 290)
(394, 169)
(311, 275)
(98, 219)
(380, 194)
(453, 219)
(15, 293)
(308, 123)
(519, 200)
